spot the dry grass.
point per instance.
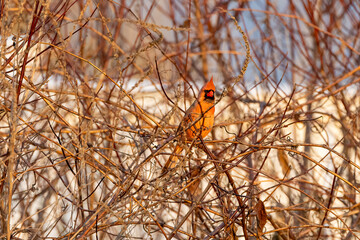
(92, 92)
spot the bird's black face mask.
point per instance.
(209, 95)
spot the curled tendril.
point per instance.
(228, 131)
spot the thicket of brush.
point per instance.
(92, 92)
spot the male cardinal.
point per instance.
(197, 122)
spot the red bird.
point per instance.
(198, 120)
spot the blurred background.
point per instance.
(92, 92)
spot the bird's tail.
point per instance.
(171, 162)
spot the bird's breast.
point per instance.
(198, 124)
